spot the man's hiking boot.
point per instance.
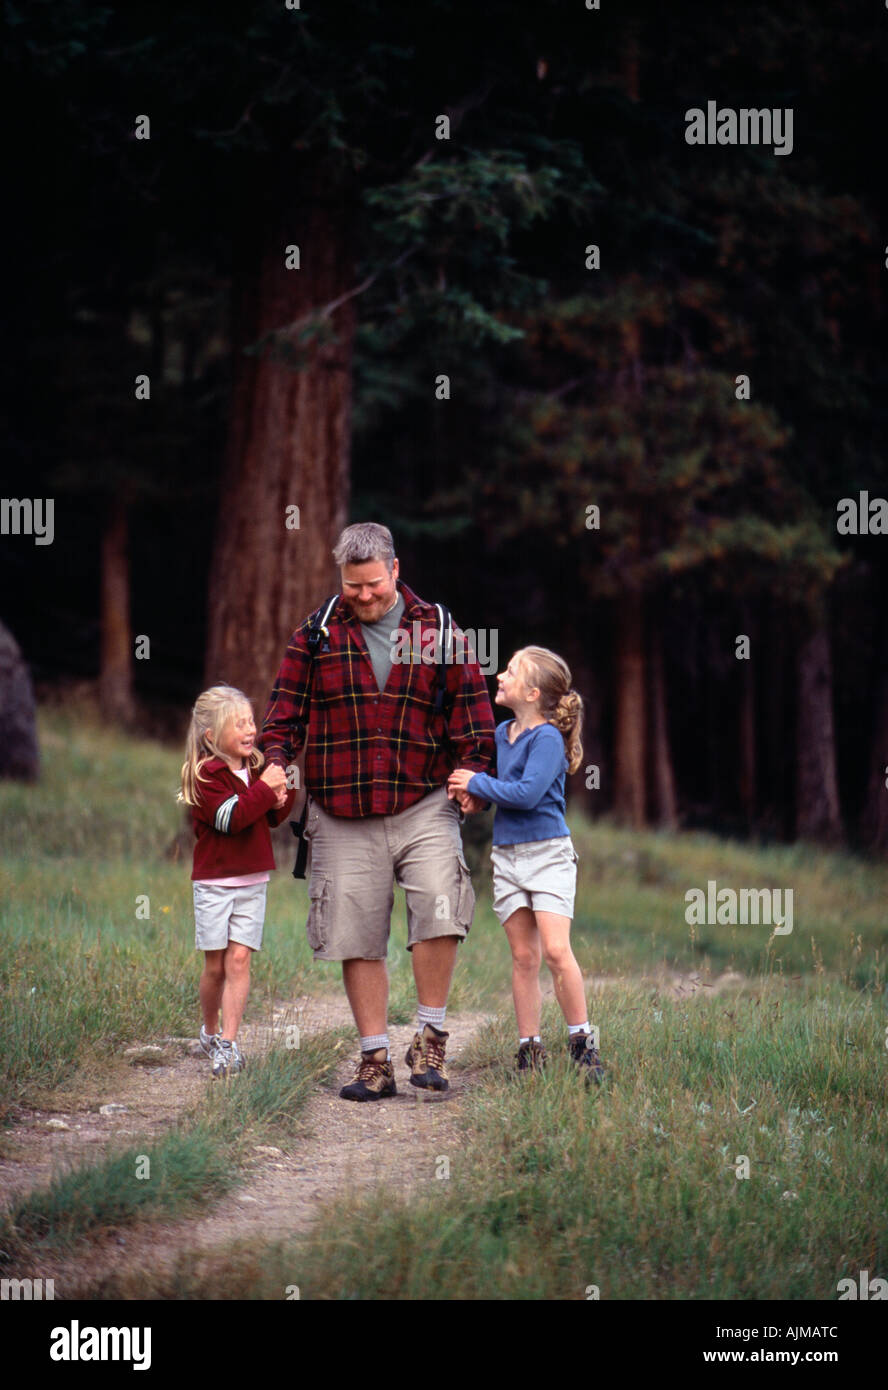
(585, 1054)
(373, 1080)
(531, 1056)
(425, 1058)
(207, 1040)
(226, 1058)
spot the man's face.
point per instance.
(368, 589)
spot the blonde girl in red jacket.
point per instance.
(232, 806)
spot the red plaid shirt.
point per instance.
(373, 752)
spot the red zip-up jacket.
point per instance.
(231, 823)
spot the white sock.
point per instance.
(375, 1041)
(536, 1038)
(573, 1028)
(426, 1014)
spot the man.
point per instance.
(380, 749)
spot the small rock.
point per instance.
(245, 1198)
(56, 1124)
(148, 1056)
(113, 1108)
(268, 1149)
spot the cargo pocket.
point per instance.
(465, 896)
(319, 914)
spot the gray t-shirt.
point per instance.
(378, 637)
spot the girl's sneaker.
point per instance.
(208, 1040)
(586, 1057)
(531, 1056)
(226, 1058)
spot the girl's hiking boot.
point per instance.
(586, 1056)
(373, 1080)
(226, 1058)
(425, 1058)
(531, 1056)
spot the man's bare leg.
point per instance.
(366, 985)
(433, 963)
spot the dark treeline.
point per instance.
(594, 474)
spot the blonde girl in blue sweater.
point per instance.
(534, 861)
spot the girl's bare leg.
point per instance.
(212, 980)
(524, 939)
(566, 974)
(236, 987)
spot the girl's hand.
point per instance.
(274, 776)
(458, 781)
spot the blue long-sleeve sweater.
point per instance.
(528, 789)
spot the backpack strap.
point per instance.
(317, 630)
(445, 650)
(319, 627)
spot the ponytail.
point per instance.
(560, 704)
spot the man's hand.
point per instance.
(280, 798)
(469, 804)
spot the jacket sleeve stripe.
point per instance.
(224, 814)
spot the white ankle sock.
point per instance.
(426, 1014)
(573, 1028)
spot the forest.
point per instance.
(584, 301)
(613, 392)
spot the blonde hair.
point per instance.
(213, 709)
(560, 704)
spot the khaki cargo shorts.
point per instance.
(355, 864)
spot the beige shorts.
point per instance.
(539, 874)
(355, 864)
(223, 914)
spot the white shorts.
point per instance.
(223, 914)
(539, 874)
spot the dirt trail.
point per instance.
(341, 1147)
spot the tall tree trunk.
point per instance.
(665, 807)
(775, 788)
(874, 816)
(747, 722)
(116, 673)
(629, 739)
(288, 447)
(818, 816)
(714, 639)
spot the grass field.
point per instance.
(636, 1189)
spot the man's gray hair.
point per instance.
(364, 541)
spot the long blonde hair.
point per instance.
(560, 704)
(213, 709)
